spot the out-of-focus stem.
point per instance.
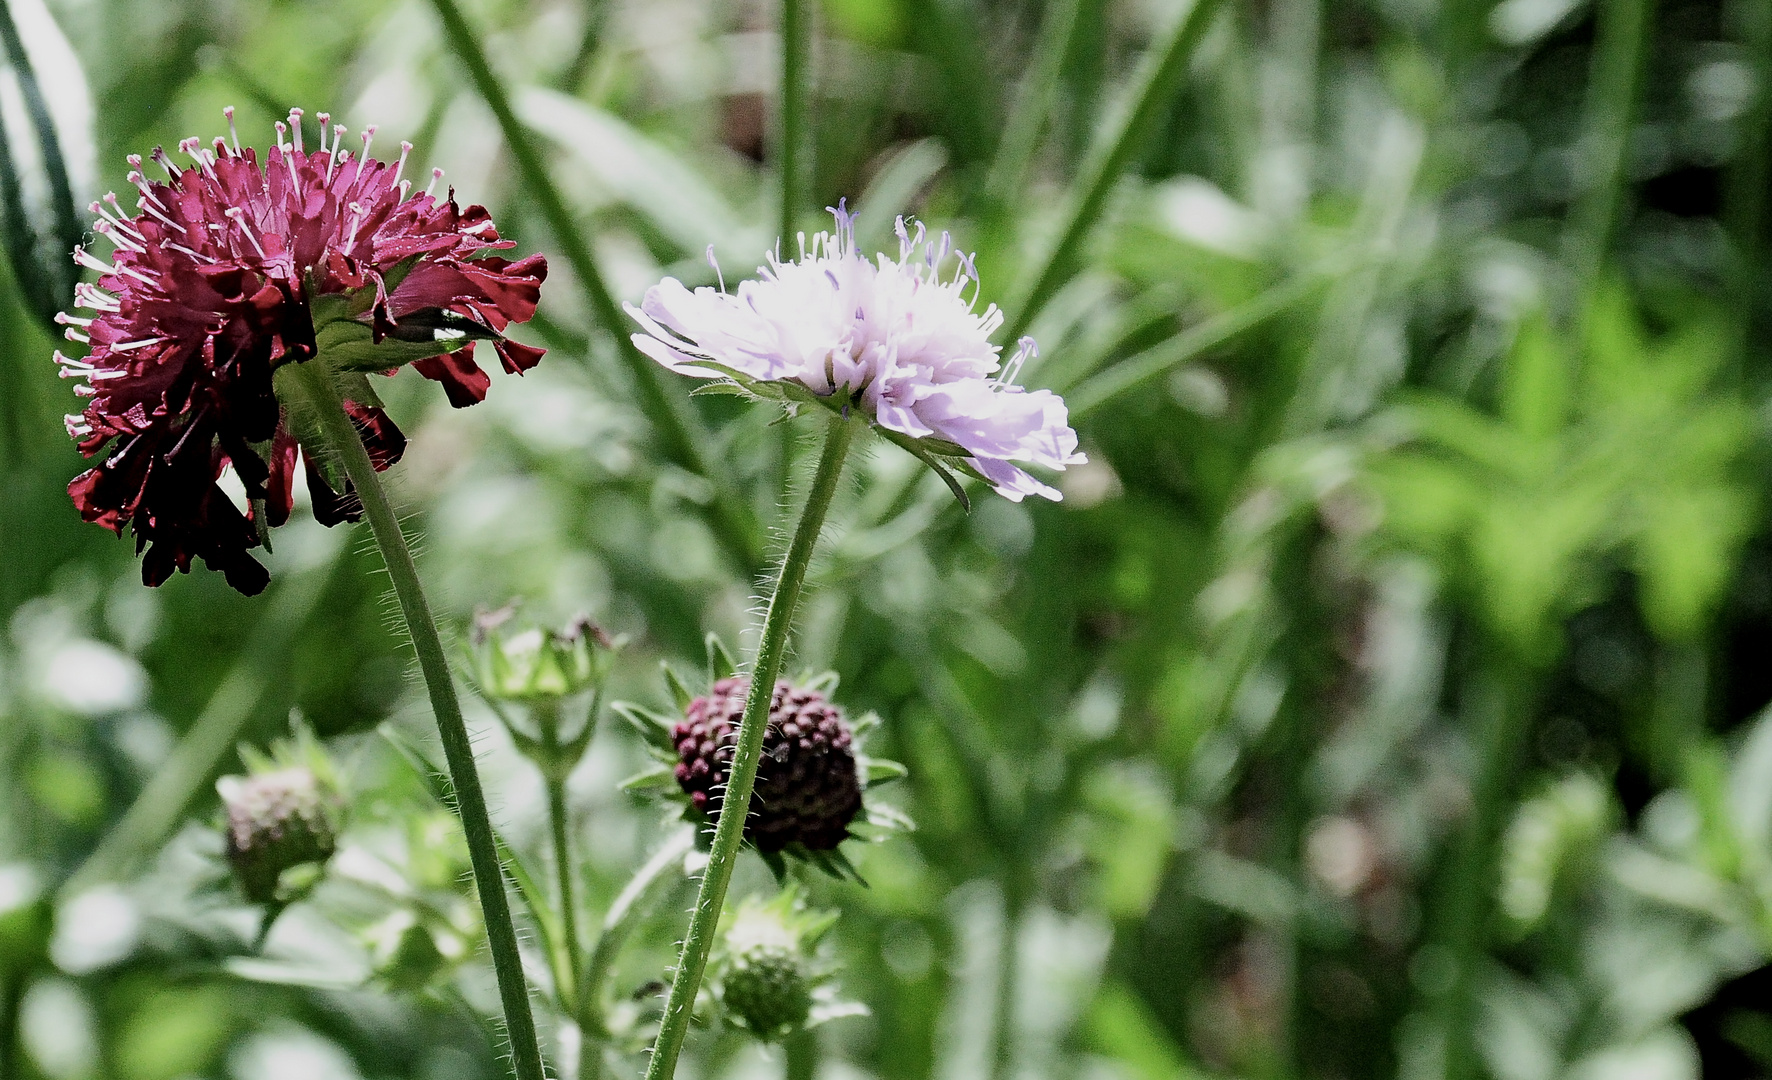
(1008, 978)
(1468, 891)
(12, 997)
(796, 113)
(1158, 77)
(1745, 197)
(678, 432)
(322, 395)
(1033, 105)
(563, 869)
(736, 803)
(800, 1055)
(1619, 55)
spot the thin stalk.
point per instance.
(1008, 978)
(563, 867)
(796, 113)
(322, 395)
(1033, 105)
(678, 431)
(730, 831)
(1158, 77)
(1616, 86)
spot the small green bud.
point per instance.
(277, 821)
(538, 664)
(768, 975)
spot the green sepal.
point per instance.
(887, 819)
(922, 451)
(659, 777)
(653, 727)
(680, 692)
(304, 424)
(720, 661)
(876, 771)
(864, 725)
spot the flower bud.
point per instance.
(277, 821)
(769, 979)
(537, 664)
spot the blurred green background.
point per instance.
(1383, 699)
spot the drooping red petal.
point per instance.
(462, 379)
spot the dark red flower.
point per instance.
(234, 268)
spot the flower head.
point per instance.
(814, 785)
(234, 267)
(895, 338)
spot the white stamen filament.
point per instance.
(91, 262)
(356, 210)
(74, 335)
(198, 255)
(138, 275)
(127, 346)
(239, 218)
(405, 189)
(436, 175)
(295, 129)
(62, 318)
(368, 135)
(91, 296)
(399, 168)
(233, 132)
(152, 209)
(166, 163)
(111, 233)
(325, 120)
(332, 159)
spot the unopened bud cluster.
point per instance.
(277, 821)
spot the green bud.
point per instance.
(284, 814)
(537, 664)
(276, 822)
(768, 975)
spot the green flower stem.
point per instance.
(322, 395)
(676, 428)
(730, 830)
(554, 773)
(1158, 78)
(796, 112)
(1033, 106)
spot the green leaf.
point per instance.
(655, 728)
(680, 691)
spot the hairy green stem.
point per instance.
(321, 394)
(678, 432)
(1158, 77)
(737, 800)
(796, 113)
